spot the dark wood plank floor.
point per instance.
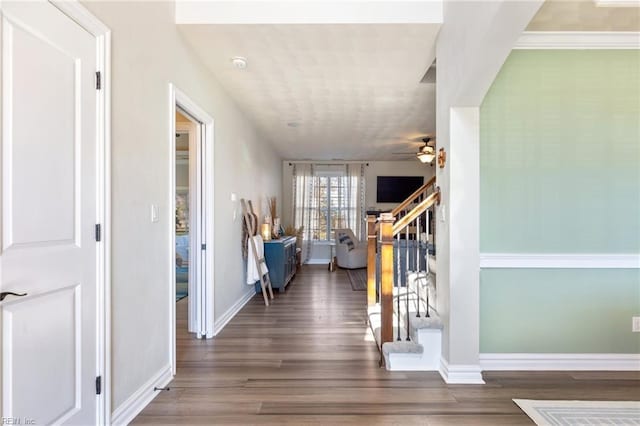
(308, 359)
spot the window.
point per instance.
(334, 207)
(328, 197)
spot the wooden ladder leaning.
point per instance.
(251, 222)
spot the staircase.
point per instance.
(401, 288)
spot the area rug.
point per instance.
(577, 413)
(358, 278)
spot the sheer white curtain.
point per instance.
(355, 187)
(306, 204)
(327, 197)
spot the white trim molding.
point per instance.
(205, 314)
(224, 319)
(563, 362)
(617, 3)
(578, 40)
(559, 261)
(128, 410)
(102, 34)
(459, 374)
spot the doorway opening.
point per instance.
(191, 224)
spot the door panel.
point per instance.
(58, 397)
(35, 66)
(49, 198)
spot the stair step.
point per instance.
(432, 322)
(402, 348)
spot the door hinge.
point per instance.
(98, 232)
(203, 246)
(98, 385)
(98, 80)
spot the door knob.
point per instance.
(10, 293)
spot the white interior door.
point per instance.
(201, 241)
(191, 130)
(49, 198)
(197, 227)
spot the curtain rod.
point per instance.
(327, 163)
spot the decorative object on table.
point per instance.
(256, 264)
(271, 203)
(275, 231)
(295, 232)
(547, 412)
(265, 231)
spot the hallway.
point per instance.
(307, 359)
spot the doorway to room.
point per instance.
(191, 227)
(185, 180)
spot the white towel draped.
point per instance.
(252, 267)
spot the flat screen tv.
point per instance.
(395, 189)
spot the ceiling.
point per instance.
(584, 15)
(327, 91)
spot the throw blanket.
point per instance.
(252, 267)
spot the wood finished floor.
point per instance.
(308, 359)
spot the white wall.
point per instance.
(472, 45)
(147, 54)
(321, 253)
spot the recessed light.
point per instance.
(239, 62)
(293, 124)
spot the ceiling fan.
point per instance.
(426, 153)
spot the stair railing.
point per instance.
(417, 196)
(393, 271)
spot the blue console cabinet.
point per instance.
(280, 256)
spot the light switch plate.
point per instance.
(635, 326)
(154, 213)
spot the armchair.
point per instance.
(351, 253)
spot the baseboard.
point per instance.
(317, 262)
(128, 410)
(566, 362)
(460, 374)
(224, 319)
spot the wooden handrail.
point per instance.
(386, 279)
(403, 205)
(372, 242)
(415, 212)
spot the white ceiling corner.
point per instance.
(354, 89)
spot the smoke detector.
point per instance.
(239, 62)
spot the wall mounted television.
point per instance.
(395, 189)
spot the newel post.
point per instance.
(372, 239)
(386, 284)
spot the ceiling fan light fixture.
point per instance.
(425, 157)
(427, 153)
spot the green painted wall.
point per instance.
(560, 173)
(559, 310)
(560, 153)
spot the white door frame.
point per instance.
(102, 35)
(177, 98)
